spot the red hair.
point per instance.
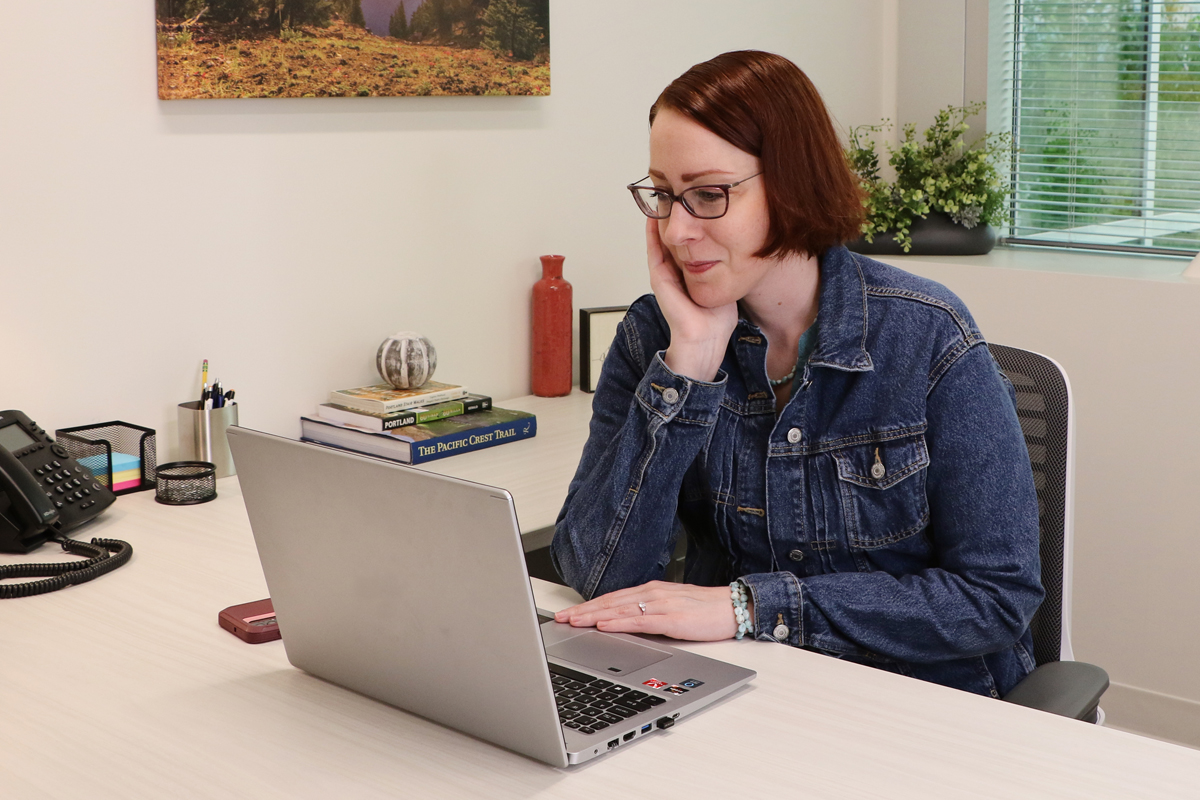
(765, 105)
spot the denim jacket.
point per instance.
(887, 516)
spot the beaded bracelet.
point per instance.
(741, 612)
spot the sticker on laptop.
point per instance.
(654, 683)
(691, 683)
(675, 689)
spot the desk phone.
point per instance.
(43, 491)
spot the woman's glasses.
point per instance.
(702, 202)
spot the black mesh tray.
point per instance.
(93, 446)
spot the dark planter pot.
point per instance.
(936, 235)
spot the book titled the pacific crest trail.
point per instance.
(414, 444)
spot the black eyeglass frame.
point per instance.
(678, 198)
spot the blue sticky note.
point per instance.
(120, 463)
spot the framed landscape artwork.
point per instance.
(352, 48)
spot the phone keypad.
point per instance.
(64, 482)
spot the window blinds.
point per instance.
(1106, 120)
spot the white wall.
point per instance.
(284, 239)
(941, 61)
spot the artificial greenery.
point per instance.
(939, 174)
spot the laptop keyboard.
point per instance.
(588, 704)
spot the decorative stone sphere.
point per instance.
(406, 360)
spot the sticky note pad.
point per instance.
(121, 462)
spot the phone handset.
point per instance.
(26, 496)
(29, 517)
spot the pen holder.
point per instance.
(186, 483)
(120, 455)
(202, 435)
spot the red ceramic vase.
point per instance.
(551, 331)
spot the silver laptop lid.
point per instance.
(403, 585)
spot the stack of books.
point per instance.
(414, 425)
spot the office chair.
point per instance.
(1059, 684)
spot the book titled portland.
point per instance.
(467, 404)
(429, 441)
(383, 398)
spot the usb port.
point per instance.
(629, 735)
(646, 728)
(613, 743)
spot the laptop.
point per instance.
(411, 588)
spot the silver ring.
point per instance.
(642, 606)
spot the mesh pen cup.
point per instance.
(186, 483)
(202, 435)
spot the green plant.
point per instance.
(938, 174)
(290, 34)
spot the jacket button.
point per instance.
(796, 555)
(780, 632)
(670, 395)
(794, 435)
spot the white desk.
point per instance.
(127, 688)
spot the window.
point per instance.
(1105, 100)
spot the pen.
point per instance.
(218, 399)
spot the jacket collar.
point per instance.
(842, 317)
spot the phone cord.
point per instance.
(104, 555)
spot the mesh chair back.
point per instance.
(1043, 407)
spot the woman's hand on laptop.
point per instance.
(678, 610)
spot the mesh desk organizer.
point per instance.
(120, 455)
(185, 483)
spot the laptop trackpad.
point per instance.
(606, 653)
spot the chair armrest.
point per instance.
(1067, 688)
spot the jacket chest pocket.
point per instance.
(882, 488)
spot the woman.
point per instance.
(830, 433)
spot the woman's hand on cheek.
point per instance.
(678, 610)
(699, 335)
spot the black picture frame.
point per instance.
(597, 327)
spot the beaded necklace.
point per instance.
(784, 379)
(808, 341)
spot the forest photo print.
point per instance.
(352, 48)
